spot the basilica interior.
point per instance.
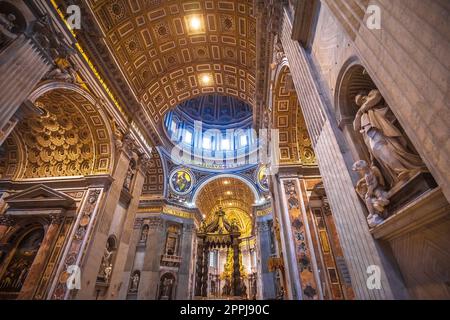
(224, 149)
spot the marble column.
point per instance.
(98, 241)
(267, 278)
(236, 268)
(293, 289)
(36, 269)
(22, 66)
(185, 267)
(150, 270)
(199, 269)
(124, 239)
(205, 269)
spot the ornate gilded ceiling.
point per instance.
(229, 193)
(172, 51)
(154, 178)
(70, 138)
(294, 142)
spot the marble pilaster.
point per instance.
(36, 269)
(185, 267)
(150, 271)
(22, 66)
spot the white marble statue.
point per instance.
(371, 189)
(386, 143)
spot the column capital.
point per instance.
(155, 223)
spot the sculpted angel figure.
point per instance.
(371, 189)
(386, 143)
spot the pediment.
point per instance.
(40, 196)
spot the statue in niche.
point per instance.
(166, 288)
(144, 234)
(135, 278)
(371, 188)
(385, 142)
(106, 265)
(7, 28)
(130, 174)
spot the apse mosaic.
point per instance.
(181, 181)
(262, 178)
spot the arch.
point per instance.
(167, 286)
(352, 79)
(245, 180)
(71, 136)
(295, 145)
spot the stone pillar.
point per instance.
(185, 267)
(288, 248)
(117, 279)
(360, 249)
(205, 270)
(97, 244)
(199, 269)
(268, 291)
(131, 259)
(22, 66)
(152, 261)
(36, 269)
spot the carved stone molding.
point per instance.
(155, 223)
(263, 226)
(56, 219)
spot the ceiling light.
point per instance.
(226, 182)
(229, 193)
(195, 23)
(206, 79)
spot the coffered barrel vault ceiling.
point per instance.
(226, 193)
(172, 51)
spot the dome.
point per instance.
(212, 127)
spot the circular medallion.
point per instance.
(84, 220)
(262, 178)
(181, 181)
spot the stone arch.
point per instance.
(352, 79)
(246, 181)
(70, 137)
(295, 145)
(167, 286)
